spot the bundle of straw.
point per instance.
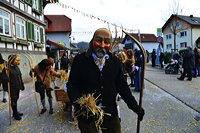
(63, 75)
(88, 108)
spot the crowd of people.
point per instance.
(189, 61)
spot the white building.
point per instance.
(181, 30)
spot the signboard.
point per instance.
(159, 31)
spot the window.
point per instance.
(171, 26)
(168, 46)
(4, 23)
(183, 34)
(183, 45)
(179, 24)
(36, 33)
(36, 4)
(20, 28)
(169, 36)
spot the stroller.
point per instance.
(172, 68)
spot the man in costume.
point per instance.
(16, 84)
(99, 72)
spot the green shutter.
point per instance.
(32, 31)
(29, 2)
(40, 6)
(41, 35)
(28, 30)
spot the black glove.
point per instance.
(23, 88)
(141, 114)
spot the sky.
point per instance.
(144, 16)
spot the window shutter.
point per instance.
(28, 30)
(41, 35)
(32, 31)
(29, 2)
(40, 6)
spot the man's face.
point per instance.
(101, 42)
(16, 62)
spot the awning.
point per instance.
(55, 45)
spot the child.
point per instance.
(16, 83)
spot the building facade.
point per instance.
(148, 41)
(22, 30)
(57, 33)
(181, 31)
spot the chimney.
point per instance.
(191, 16)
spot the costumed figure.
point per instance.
(16, 84)
(43, 72)
(98, 73)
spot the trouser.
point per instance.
(108, 126)
(42, 98)
(132, 77)
(14, 98)
(187, 71)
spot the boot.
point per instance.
(15, 114)
(4, 97)
(20, 114)
(51, 106)
(44, 107)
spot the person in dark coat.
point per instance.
(99, 72)
(153, 58)
(138, 64)
(3, 78)
(197, 62)
(16, 83)
(64, 62)
(188, 64)
(161, 59)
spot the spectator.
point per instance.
(161, 59)
(64, 62)
(153, 58)
(197, 62)
(188, 64)
(130, 63)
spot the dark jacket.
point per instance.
(85, 77)
(197, 57)
(188, 59)
(15, 76)
(64, 62)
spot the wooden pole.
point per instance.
(9, 98)
(30, 60)
(35, 93)
(142, 74)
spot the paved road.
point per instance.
(164, 113)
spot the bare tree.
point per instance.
(174, 7)
(174, 10)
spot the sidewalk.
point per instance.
(186, 91)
